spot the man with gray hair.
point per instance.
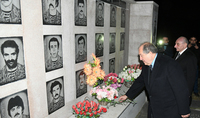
(165, 83)
(188, 61)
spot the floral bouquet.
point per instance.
(112, 80)
(94, 72)
(104, 93)
(87, 109)
(130, 72)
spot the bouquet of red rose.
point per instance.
(87, 109)
(113, 80)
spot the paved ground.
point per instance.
(195, 107)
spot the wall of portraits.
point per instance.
(44, 47)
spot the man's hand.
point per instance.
(185, 116)
(122, 98)
(196, 47)
(189, 45)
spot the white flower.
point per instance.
(129, 78)
(138, 71)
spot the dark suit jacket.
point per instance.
(168, 92)
(188, 62)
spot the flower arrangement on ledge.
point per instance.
(94, 72)
(130, 72)
(112, 80)
(87, 109)
(104, 93)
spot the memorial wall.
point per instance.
(44, 46)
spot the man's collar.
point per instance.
(153, 62)
(183, 51)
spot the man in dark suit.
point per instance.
(188, 61)
(165, 84)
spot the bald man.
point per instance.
(188, 62)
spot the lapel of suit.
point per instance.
(155, 71)
(182, 55)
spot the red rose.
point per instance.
(84, 113)
(73, 107)
(86, 109)
(81, 112)
(82, 109)
(90, 110)
(91, 114)
(115, 97)
(95, 112)
(99, 111)
(76, 111)
(104, 110)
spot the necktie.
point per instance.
(149, 73)
(177, 56)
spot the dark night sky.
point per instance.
(178, 18)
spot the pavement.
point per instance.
(195, 107)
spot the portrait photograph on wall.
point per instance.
(55, 94)
(81, 86)
(80, 8)
(10, 12)
(123, 17)
(113, 10)
(12, 65)
(122, 41)
(112, 43)
(15, 106)
(51, 11)
(99, 13)
(99, 44)
(53, 52)
(80, 48)
(112, 65)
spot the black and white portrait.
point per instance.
(112, 65)
(101, 64)
(12, 66)
(99, 44)
(80, 47)
(51, 12)
(99, 13)
(123, 17)
(122, 41)
(15, 106)
(80, 7)
(81, 86)
(10, 11)
(55, 94)
(53, 52)
(113, 10)
(112, 43)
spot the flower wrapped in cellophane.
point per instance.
(131, 72)
(104, 93)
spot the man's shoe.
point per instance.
(196, 94)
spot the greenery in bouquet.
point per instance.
(88, 109)
(104, 93)
(112, 80)
(131, 72)
(94, 72)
